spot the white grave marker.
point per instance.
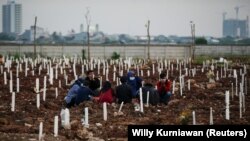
(56, 126)
(13, 102)
(194, 119)
(227, 105)
(211, 120)
(86, 111)
(40, 136)
(141, 101)
(105, 115)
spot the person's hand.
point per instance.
(96, 99)
(135, 100)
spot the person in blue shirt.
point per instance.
(134, 82)
(78, 93)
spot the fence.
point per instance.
(136, 51)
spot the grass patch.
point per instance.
(199, 59)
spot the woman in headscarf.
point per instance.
(106, 93)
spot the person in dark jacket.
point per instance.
(153, 94)
(134, 81)
(78, 93)
(106, 94)
(94, 82)
(124, 91)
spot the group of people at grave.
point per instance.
(88, 88)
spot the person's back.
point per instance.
(78, 93)
(106, 96)
(135, 82)
(153, 94)
(84, 94)
(106, 93)
(124, 91)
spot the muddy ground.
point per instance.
(23, 123)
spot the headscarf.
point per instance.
(106, 86)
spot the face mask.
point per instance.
(131, 78)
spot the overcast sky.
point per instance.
(168, 17)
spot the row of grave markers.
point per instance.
(50, 72)
(86, 124)
(106, 72)
(106, 67)
(51, 82)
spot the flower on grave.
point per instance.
(184, 117)
(210, 74)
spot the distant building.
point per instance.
(81, 38)
(97, 28)
(12, 17)
(93, 29)
(28, 35)
(81, 28)
(235, 28)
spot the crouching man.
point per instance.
(78, 93)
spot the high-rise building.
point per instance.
(97, 28)
(235, 28)
(81, 28)
(12, 17)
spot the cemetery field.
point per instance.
(32, 95)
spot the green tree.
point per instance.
(115, 56)
(227, 40)
(200, 41)
(6, 37)
(55, 36)
(244, 41)
(83, 54)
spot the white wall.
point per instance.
(166, 51)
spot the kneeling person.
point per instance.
(78, 93)
(153, 94)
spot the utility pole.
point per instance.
(34, 42)
(88, 20)
(148, 34)
(193, 39)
